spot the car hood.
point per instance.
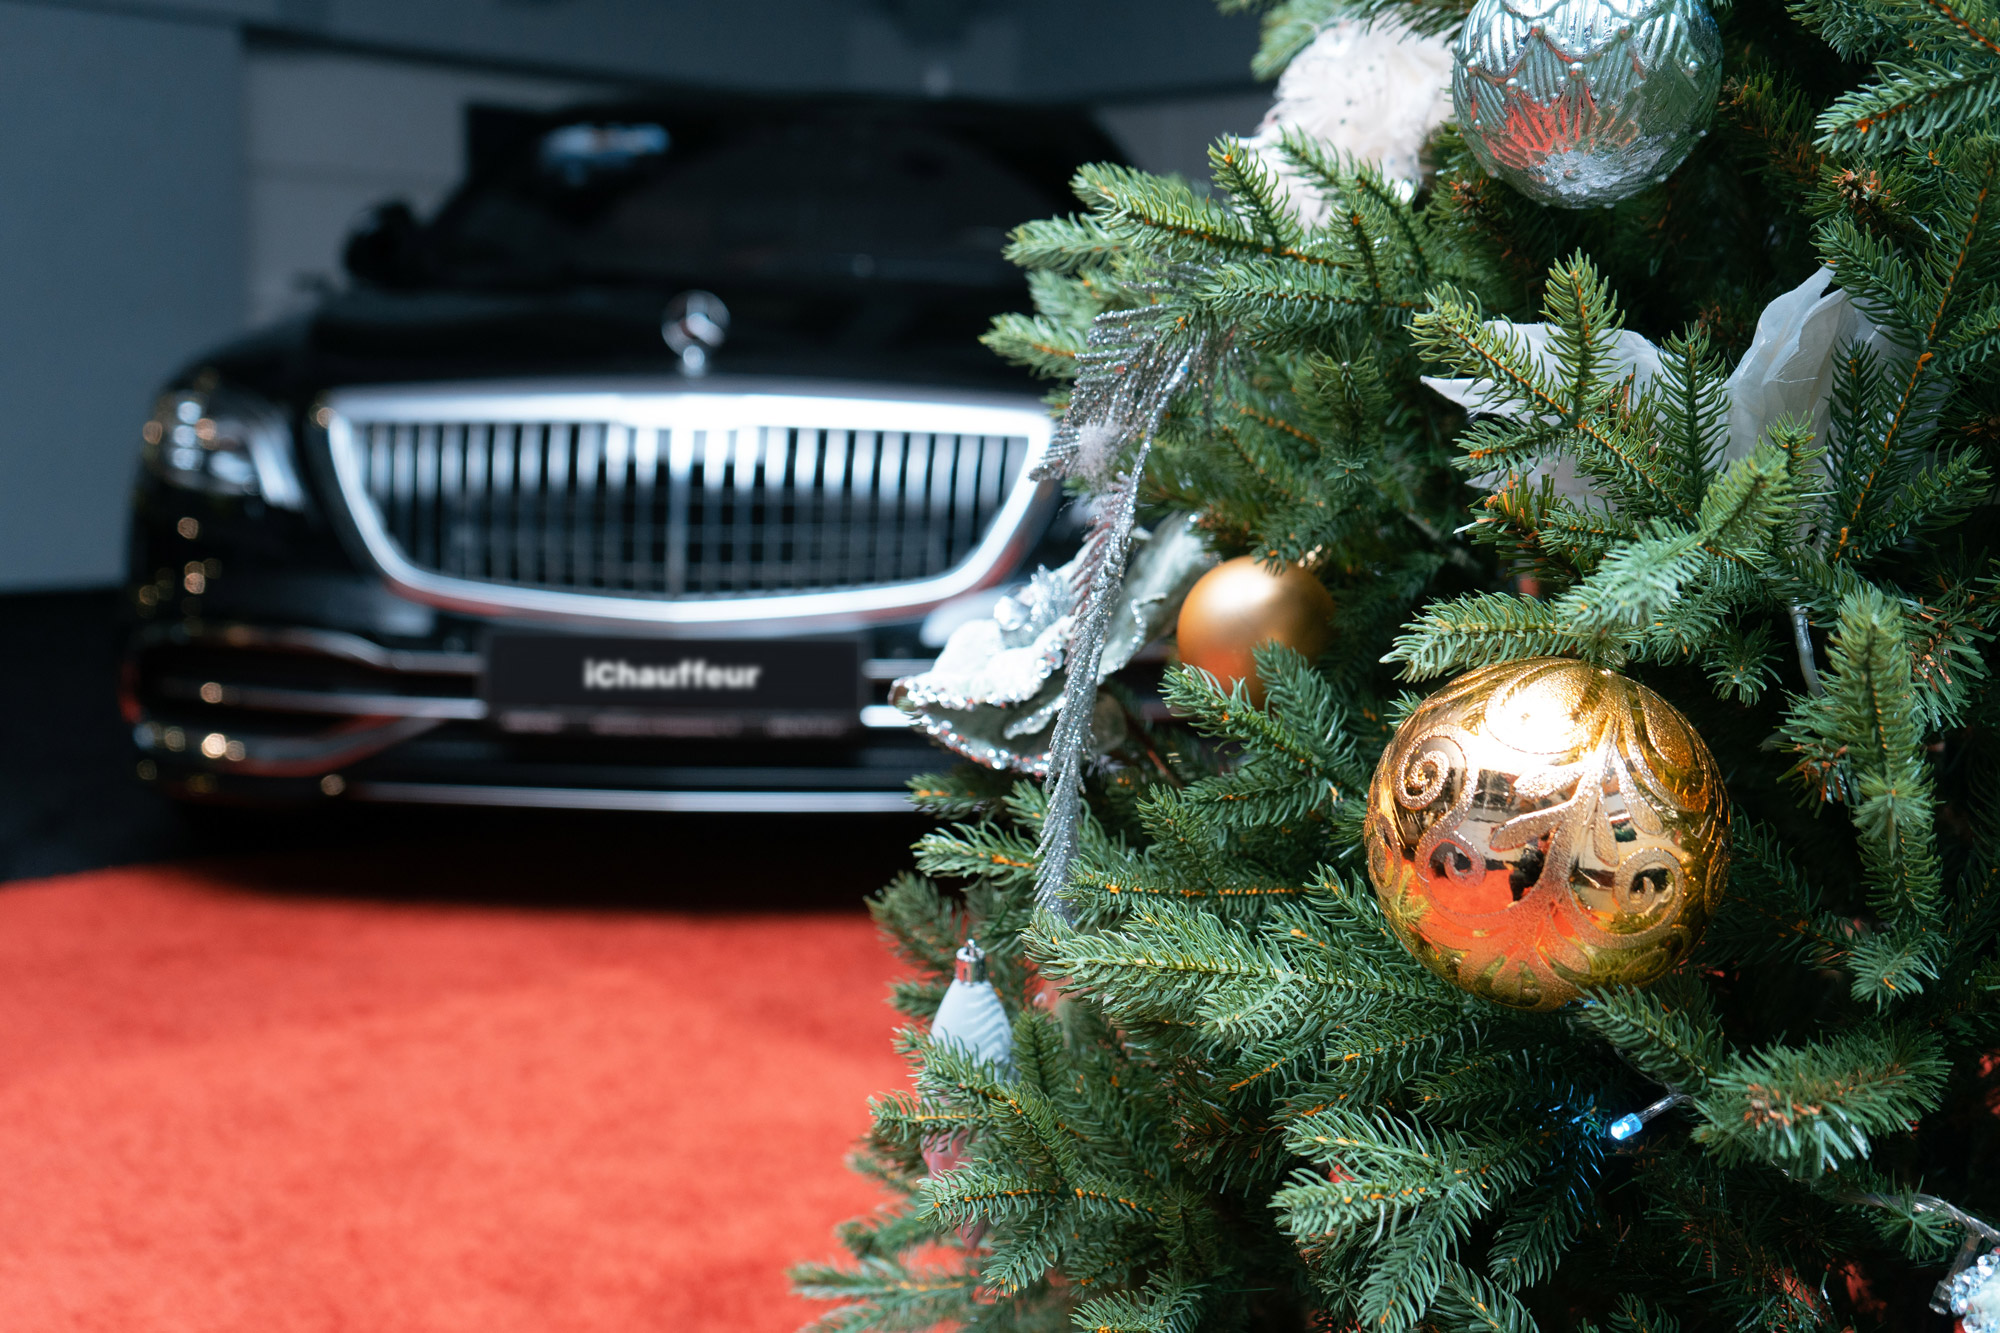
(899, 333)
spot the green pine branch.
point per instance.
(1813, 1108)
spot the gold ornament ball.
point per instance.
(1240, 604)
(1540, 827)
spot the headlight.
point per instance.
(223, 443)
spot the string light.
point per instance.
(1625, 1126)
(1969, 1289)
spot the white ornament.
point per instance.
(1974, 1294)
(1788, 371)
(1373, 92)
(971, 1017)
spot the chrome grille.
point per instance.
(636, 504)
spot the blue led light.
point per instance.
(1625, 1126)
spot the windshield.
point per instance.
(820, 195)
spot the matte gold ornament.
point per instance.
(1542, 826)
(1240, 604)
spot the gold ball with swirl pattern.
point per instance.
(1541, 827)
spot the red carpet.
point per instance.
(227, 1110)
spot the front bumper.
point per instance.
(243, 711)
(340, 647)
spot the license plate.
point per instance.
(546, 682)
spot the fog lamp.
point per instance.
(224, 444)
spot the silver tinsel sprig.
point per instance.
(1133, 364)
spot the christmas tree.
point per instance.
(1723, 432)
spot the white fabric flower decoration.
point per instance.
(1790, 365)
(1632, 354)
(1788, 371)
(1375, 92)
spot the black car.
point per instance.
(629, 480)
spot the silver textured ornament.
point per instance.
(1975, 1294)
(1582, 102)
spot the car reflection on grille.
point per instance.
(677, 497)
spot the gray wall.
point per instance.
(172, 170)
(121, 234)
(330, 134)
(1070, 49)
